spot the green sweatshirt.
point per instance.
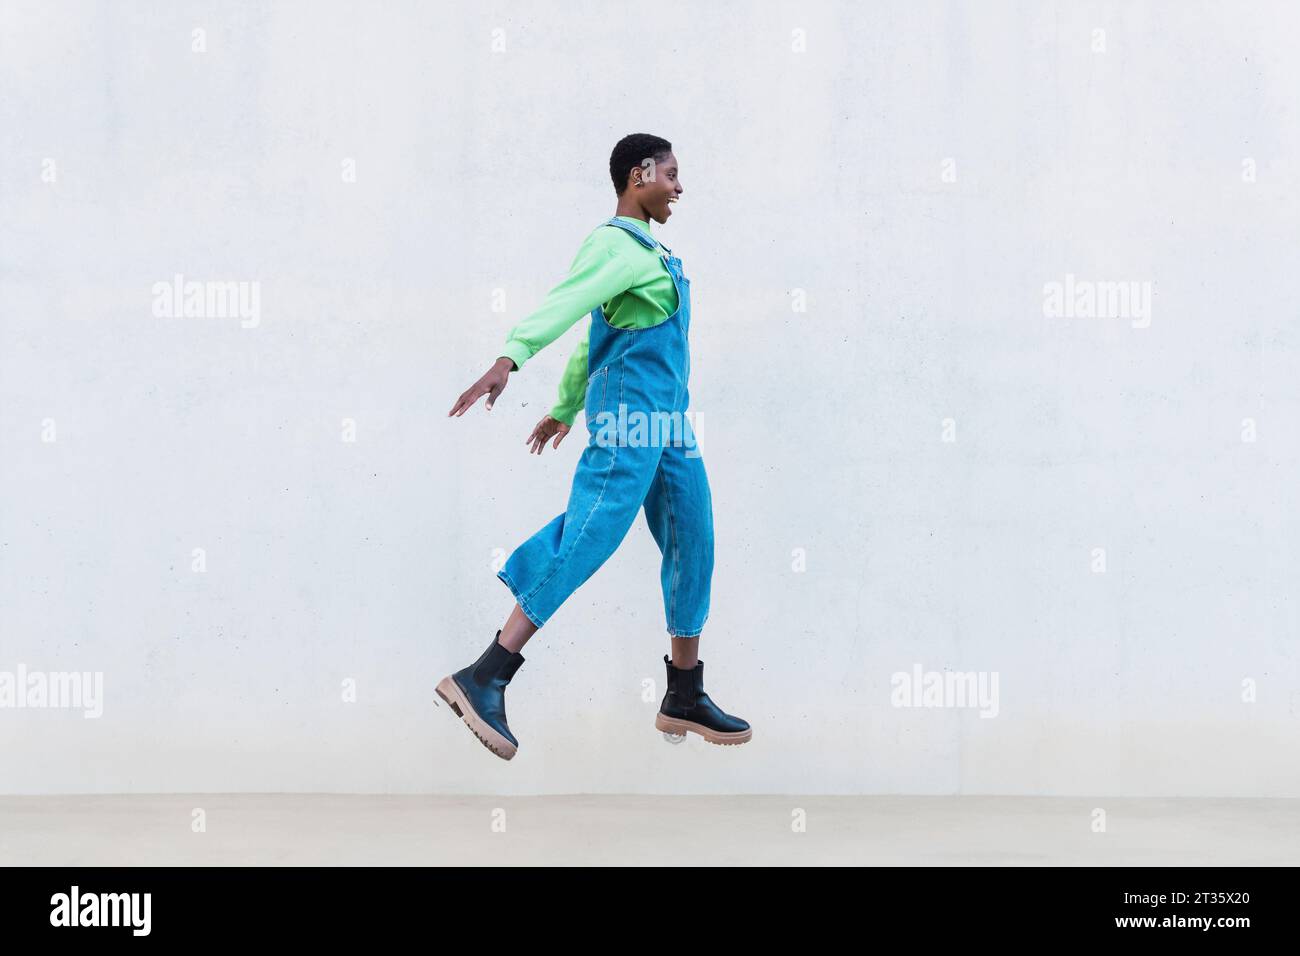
(612, 270)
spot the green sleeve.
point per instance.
(573, 384)
(597, 274)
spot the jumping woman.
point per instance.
(632, 365)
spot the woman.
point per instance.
(633, 365)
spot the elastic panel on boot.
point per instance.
(490, 664)
(511, 665)
(686, 685)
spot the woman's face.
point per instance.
(659, 187)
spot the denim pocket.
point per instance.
(597, 385)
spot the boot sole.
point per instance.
(675, 725)
(450, 691)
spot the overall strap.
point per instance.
(641, 237)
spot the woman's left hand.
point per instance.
(544, 431)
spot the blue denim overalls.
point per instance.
(638, 379)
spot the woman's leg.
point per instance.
(686, 652)
(609, 487)
(679, 511)
(517, 630)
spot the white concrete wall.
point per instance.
(813, 175)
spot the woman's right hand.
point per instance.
(491, 384)
(546, 428)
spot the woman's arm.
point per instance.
(573, 384)
(596, 276)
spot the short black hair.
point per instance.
(630, 152)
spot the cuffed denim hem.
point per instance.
(687, 633)
(519, 598)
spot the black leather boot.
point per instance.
(477, 693)
(687, 708)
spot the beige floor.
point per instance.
(313, 829)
